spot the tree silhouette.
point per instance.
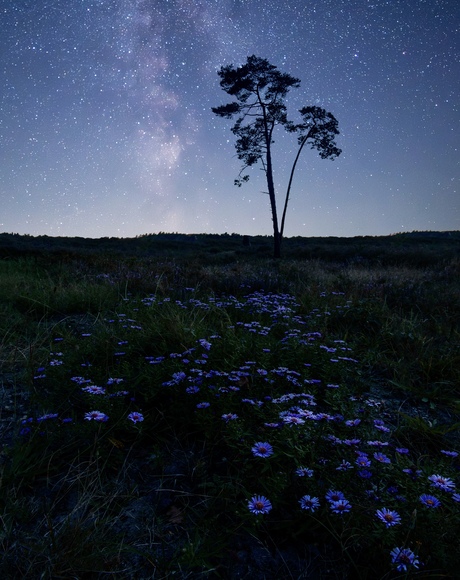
(260, 90)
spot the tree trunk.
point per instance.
(271, 188)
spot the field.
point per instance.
(188, 407)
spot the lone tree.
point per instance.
(260, 89)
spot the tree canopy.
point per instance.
(260, 90)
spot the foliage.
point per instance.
(232, 399)
(260, 90)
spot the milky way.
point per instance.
(106, 126)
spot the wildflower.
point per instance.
(352, 422)
(203, 405)
(365, 473)
(262, 449)
(229, 417)
(135, 417)
(341, 506)
(309, 503)
(444, 483)
(47, 416)
(382, 458)
(94, 390)
(304, 472)
(429, 500)
(114, 381)
(192, 390)
(334, 496)
(388, 517)
(449, 453)
(293, 420)
(259, 504)
(352, 442)
(378, 443)
(402, 450)
(456, 497)
(363, 461)
(404, 557)
(96, 416)
(413, 471)
(344, 466)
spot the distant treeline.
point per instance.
(418, 248)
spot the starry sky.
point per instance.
(106, 126)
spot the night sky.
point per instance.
(106, 126)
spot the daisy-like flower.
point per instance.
(229, 417)
(334, 496)
(429, 500)
(449, 453)
(402, 450)
(388, 517)
(404, 558)
(444, 483)
(344, 466)
(353, 422)
(413, 472)
(293, 420)
(47, 416)
(203, 405)
(341, 506)
(94, 390)
(304, 472)
(309, 503)
(363, 461)
(96, 416)
(382, 458)
(262, 449)
(135, 417)
(259, 504)
(456, 497)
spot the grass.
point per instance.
(225, 388)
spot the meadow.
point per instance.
(188, 407)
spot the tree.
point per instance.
(260, 90)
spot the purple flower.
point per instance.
(293, 420)
(344, 466)
(429, 500)
(135, 417)
(352, 422)
(403, 557)
(262, 449)
(259, 504)
(456, 497)
(229, 417)
(341, 506)
(413, 471)
(444, 483)
(94, 390)
(382, 458)
(449, 453)
(378, 443)
(96, 416)
(304, 472)
(365, 473)
(203, 405)
(402, 450)
(363, 461)
(309, 503)
(333, 496)
(388, 517)
(47, 416)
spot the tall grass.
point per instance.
(246, 419)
